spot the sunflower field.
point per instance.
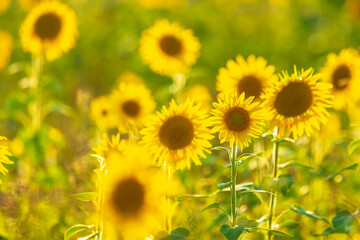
(180, 119)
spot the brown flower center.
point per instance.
(341, 77)
(131, 108)
(48, 26)
(171, 45)
(128, 196)
(177, 132)
(251, 85)
(237, 119)
(104, 112)
(294, 99)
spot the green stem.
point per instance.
(35, 110)
(233, 184)
(167, 172)
(272, 206)
(100, 203)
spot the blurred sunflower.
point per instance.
(237, 119)
(132, 103)
(4, 153)
(134, 196)
(50, 29)
(168, 48)
(297, 103)
(4, 5)
(343, 72)
(199, 94)
(177, 135)
(6, 47)
(109, 149)
(162, 3)
(250, 76)
(101, 112)
(28, 4)
(129, 77)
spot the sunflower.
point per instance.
(101, 112)
(4, 5)
(237, 119)
(4, 153)
(50, 29)
(250, 76)
(132, 103)
(343, 72)
(162, 3)
(297, 103)
(134, 195)
(110, 148)
(168, 48)
(28, 4)
(129, 77)
(199, 94)
(6, 47)
(177, 135)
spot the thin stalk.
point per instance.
(233, 184)
(167, 172)
(100, 203)
(272, 206)
(35, 109)
(179, 81)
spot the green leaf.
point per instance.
(241, 186)
(224, 185)
(308, 213)
(351, 167)
(237, 164)
(176, 234)
(247, 156)
(244, 191)
(231, 233)
(353, 146)
(293, 164)
(91, 236)
(221, 148)
(215, 205)
(85, 196)
(74, 230)
(341, 219)
(277, 232)
(284, 183)
(289, 224)
(211, 206)
(179, 234)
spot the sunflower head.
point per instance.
(109, 149)
(168, 48)
(199, 94)
(162, 3)
(177, 135)
(237, 119)
(101, 112)
(342, 71)
(50, 29)
(4, 155)
(6, 47)
(250, 76)
(132, 103)
(133, 195)
(297, 103)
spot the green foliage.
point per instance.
(85, 196)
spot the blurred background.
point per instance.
(35, 197)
